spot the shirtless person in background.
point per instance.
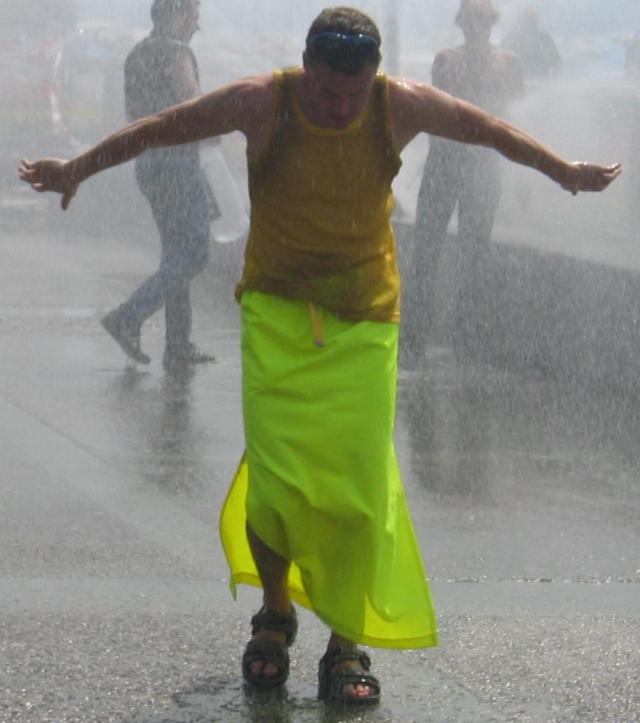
(455, 174)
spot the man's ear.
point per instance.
(305, 61)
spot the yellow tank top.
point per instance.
(321, 204)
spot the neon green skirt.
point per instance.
(319, 482)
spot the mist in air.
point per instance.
(517, 418)
(63, 78)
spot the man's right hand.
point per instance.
(50, 174)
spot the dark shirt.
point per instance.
(150, 87)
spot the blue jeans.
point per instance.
(181, 203)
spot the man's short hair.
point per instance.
(163, 11)
(344, 39)
(474, 11)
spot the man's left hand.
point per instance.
(590, 177)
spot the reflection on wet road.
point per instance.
(521, 466)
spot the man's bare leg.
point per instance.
(273, 570)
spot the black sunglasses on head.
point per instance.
(334, 42)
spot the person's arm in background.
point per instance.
(183, 75)
(185, 81)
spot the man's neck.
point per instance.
(478, 48)
(169, 33)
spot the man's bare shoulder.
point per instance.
(405, 92)
(241, 105)
(449, 55)
(251, 104)
(448, 58)
(262, 87)
(254, 92)
(447, 67)
(413, 105)
(505, 57)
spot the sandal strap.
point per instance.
(332, 681)
(271, 620)
(339, 655)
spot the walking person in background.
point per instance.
(160, 72)
(458, 175)
(317, 511)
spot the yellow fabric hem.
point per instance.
(297, 594)
(246, 578)
(427, 641)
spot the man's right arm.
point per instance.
(246, 106)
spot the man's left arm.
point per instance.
(420, 108)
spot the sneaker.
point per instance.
(126, 335)
(176, 358)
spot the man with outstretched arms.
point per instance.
(317, 513)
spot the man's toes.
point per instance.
(266, 670)
(357, 691)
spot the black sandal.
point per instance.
(269, 651)
(331, 682)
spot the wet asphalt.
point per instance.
(114, 603)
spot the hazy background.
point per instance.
(255, 32)
(588, 112)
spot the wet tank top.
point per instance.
(321, 204)
(149, 88)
